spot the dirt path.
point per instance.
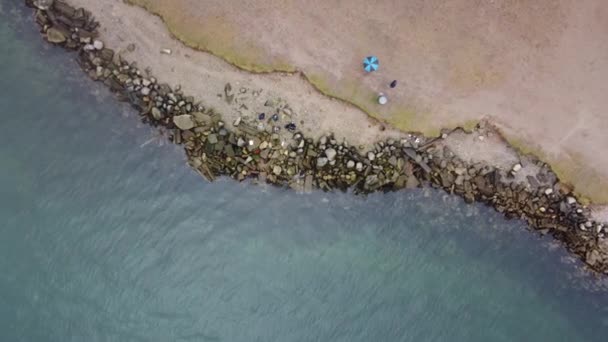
(536, 69)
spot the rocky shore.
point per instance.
(269, 148)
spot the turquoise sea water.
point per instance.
(106, 236)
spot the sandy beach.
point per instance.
(535, 69)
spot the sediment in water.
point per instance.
(267, 151)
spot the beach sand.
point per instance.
(536, 69)
(533, 71)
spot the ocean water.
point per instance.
(106, 235)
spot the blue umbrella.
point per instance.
(370, 63)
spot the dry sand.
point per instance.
(204, 76)
(537, 69)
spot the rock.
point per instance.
(412, 182)
(359, 167)
(237, 122)
(55, 36)
(308, 183)
(570, 200)
(277, 170)
(183, 121)
(145, 91)
(371, 156)
(43, 4)
(350, 164)
(240, 142)
(212, 139)
(156, 113)
(548, 191)
(322, 161)
(516, 167)
(166, 51)
(264, 145)
(98, 45)
(107, 55)
(593, 257)
(330, 153)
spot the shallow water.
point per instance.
(108, 236)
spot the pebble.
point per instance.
(98, 45)
(322, 161)
(549, 191)
(264, 145)
(330, 153)
(277, 170)
(359, 166)
(371, 156)
(516, 167)
(570, 200)
(350, 164)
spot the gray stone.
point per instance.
(277, 170)
(412, 182)
(145, 91)
(330, 153)
(322, 161)
(359, 166)
(183, 121)
(264, 145)
(156, 113)
(212, 139)
(240, 142)
(371, 156)
(350, 164)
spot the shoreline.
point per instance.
(302, 157)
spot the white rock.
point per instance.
(516, 167)
(277, 170)
(264, 145)
(570, 200)
(371, 156)
(145, 91)
(98, 45)
(237, 121)
(240, 142)
(359, 166)
(549, 191)
(330, 153)
(166, 51)
(350, 164)
(183, 121)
